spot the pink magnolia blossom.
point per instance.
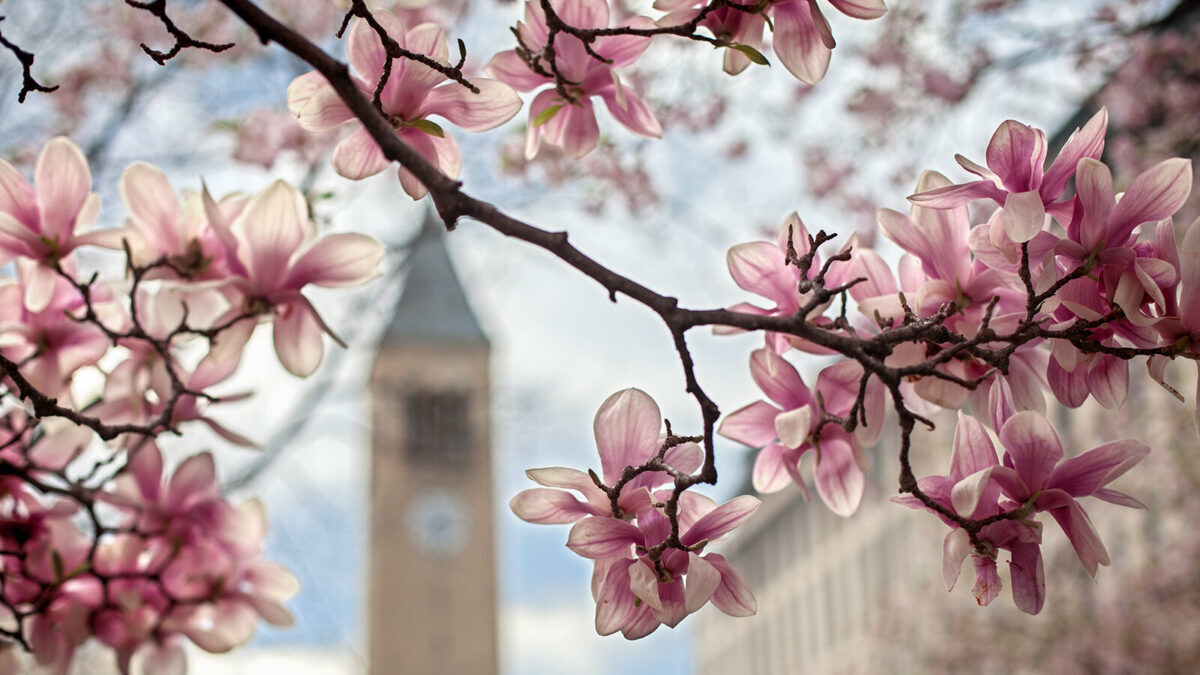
(1035, 474)
(50, 343)
(411, 95)
(634, 594)
(762, 268)
(628, 432)
(571, 124)
(1015, 176)
(967, 492)
(277, 254)
(788, 429)
(47, 222)
(160, 226)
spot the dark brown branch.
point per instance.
(182, 39)
(28, 83)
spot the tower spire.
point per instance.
(432, 306)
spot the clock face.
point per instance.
(438, 524)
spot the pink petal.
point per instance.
(441, 152)
(626, 429)
(1028, 577)
(1078, 528)
(952, 196)
(547, 506)
(759, 267)
(955, 548)
(616, 605)
(973, 449)
(1093, 183)
(1069, 388)
(1083, 475)
(1032, 447)
(273, 226)
(733, 596)
(511, 69)
(1024, 215)
(297, 331)
(359, 156)
(1012, 154)
(703, 579)
(364, 48)
(337, 260)
(63, 182)
(603, 537)
(303, 88)
(794, 426)
(193, 480)
(838, 476)
(1155, 194)
(632, 112)
(583, 13)
(17, 196)
(860, 9)
(987, 580)
(799, 42)
(771, 473)
(1086, 142)
(1108, 380)
(623, 50)
(561, 477)
(153, 206)
(574, 129)
(495, 104)
(721, 520)
(323, 111)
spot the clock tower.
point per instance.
(432, 595)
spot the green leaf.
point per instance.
(57, 561)
(428, 127)
(751, 53)
(546, 115)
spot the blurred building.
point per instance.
(432, 579)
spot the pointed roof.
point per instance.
(432, 306)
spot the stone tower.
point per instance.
(432, 595)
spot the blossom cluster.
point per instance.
(98, 539)
(650, 566)
(1053, 291)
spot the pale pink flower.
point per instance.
(1015, 176)
(50, 343)
(160, 226)
(628, 433)
(571, 124)
(967, 491)
(411, 95)
(635, 596)
(46, 223)
(788, 429)
(277, 255)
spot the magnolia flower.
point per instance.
(411, 94)
(634, 595)
(277, 254)
(628, 432)
(571, 124)
(1016, 179)
(46, 223)
(788, 429)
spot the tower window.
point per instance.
(438, 427)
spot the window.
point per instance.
(438, 427)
